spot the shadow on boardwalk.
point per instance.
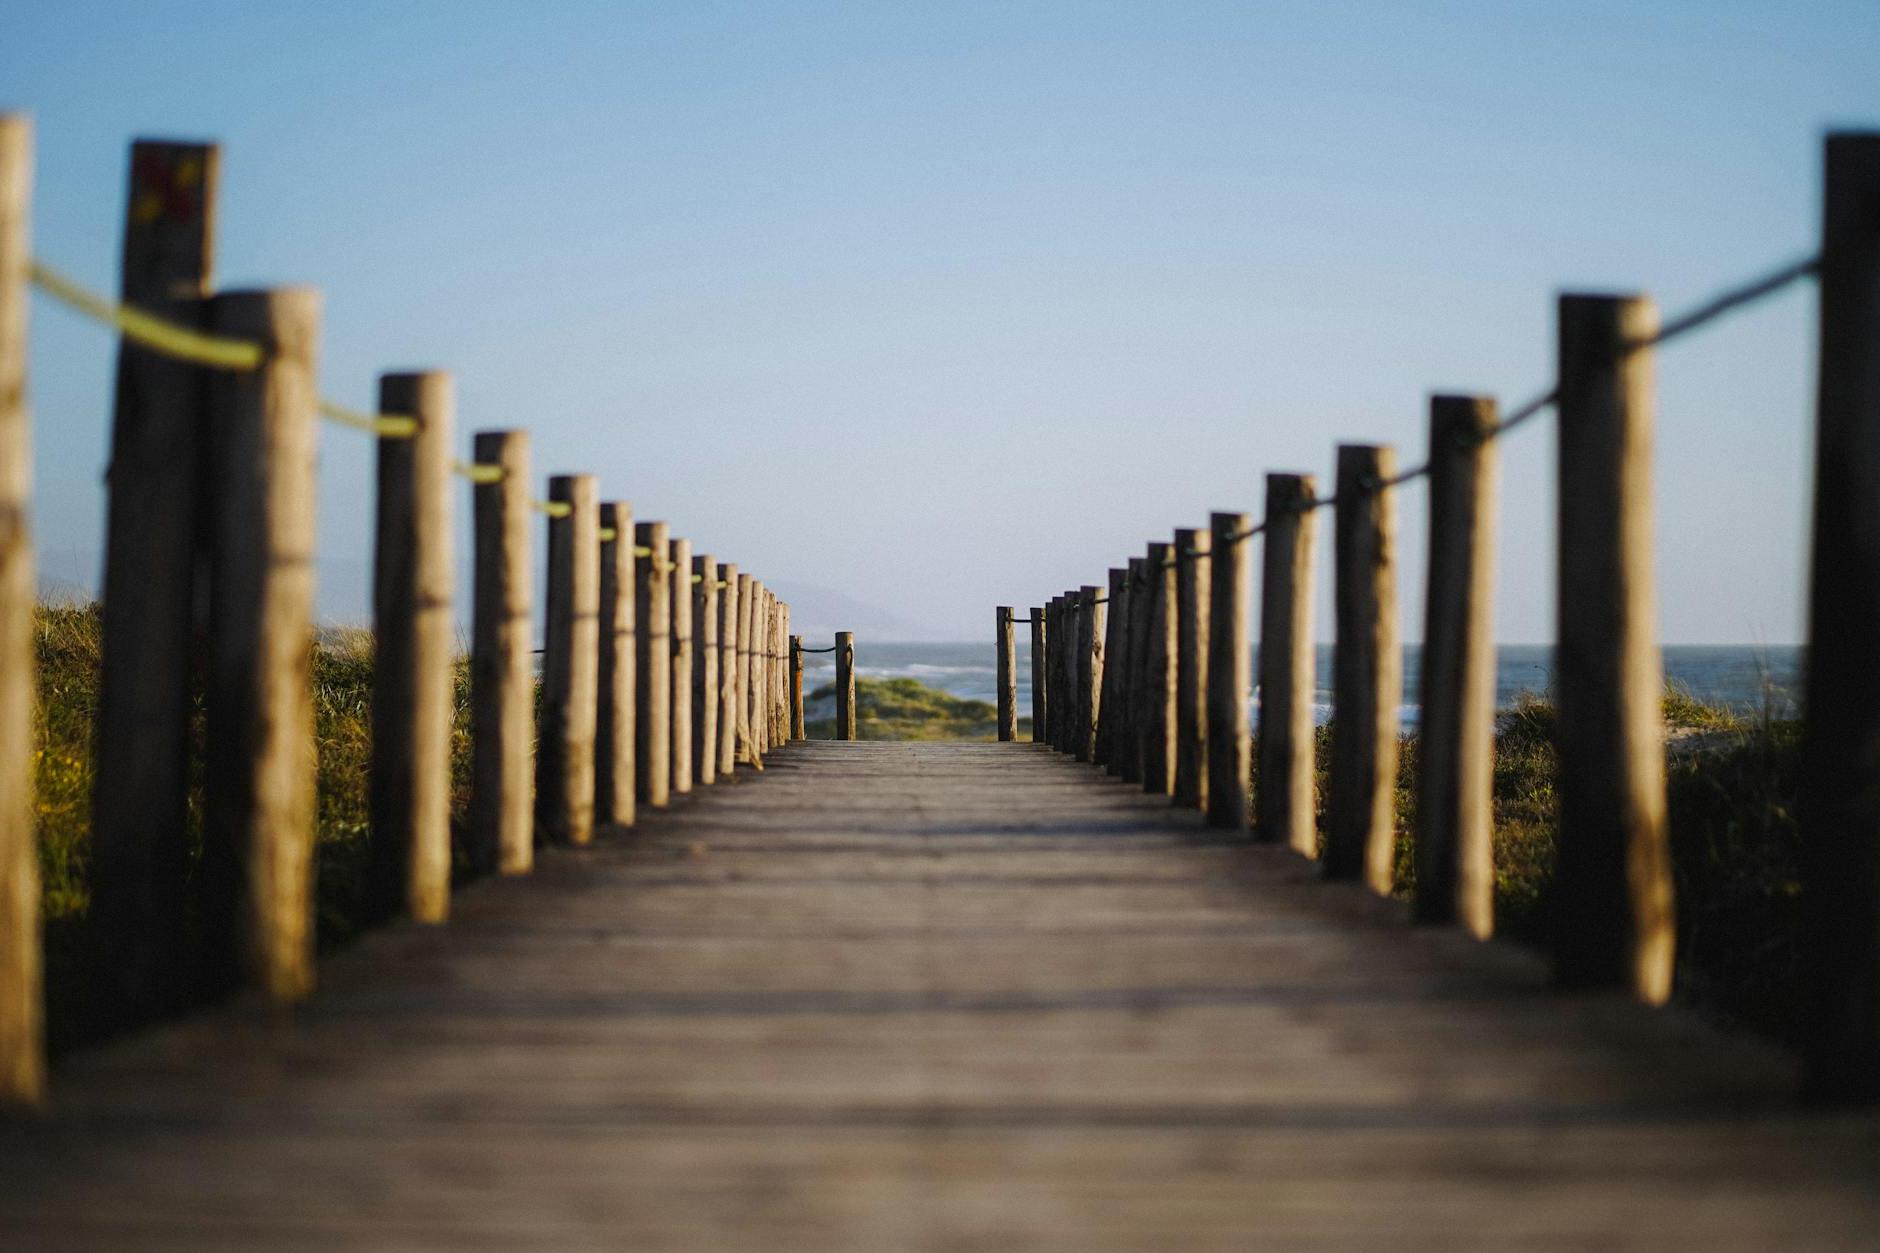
(935, 996)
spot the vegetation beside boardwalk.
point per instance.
(905, 709)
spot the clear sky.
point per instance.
(944, 306)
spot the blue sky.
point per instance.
(951, 305)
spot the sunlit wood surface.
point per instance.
(934, 996)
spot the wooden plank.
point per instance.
(1191, 668)
(615, 717)
(1288, 807)
(564, 755)
(1230, 670)
(502, 672)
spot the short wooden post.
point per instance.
(1191, 669)
(704, 589)
(1287, 805)
(415, 633)
(796, 688)
(157, 509)
(1612, 896)
(727, 670)
(256, 873)
(1110, 747)
(747, 670)
(614, 730)
(679, 588)
(1092, 623)
(760, 669)
(1841, 737)
(652, 703)
(1455, 879)
(1230, 667)
(1040, 697)
(845, 685)
(1367, 673)
(564, 755)
(1154, 702)
(1006, 668)
(22, 1039)
(502, 678)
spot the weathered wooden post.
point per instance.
(1079, 697)
(797, 731)
(1841, 737)
(22, 1036)
(564, 758)
(1612, 897)
(614, 734)
(1122, 669)
(1287, 807)
(256, 873)
(1091, 625)
(1040, 685)
(413, 598)
(1455, 879)
(1007, 667)
(704, 588)
(1367, 673)
(679, 588)
(1191, 669)
(502, 679)
(780, 654)
(1057, 696)
(1109, 747)
(156, 511)
(760, 676)
(652, 703)
(1230, 667)
(845, 685)
(727, 670)
(747, 670)
(1153, 706)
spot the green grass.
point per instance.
(906, 709)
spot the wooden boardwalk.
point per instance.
(937, 997)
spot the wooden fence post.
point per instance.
(1057, 692)
(1007, 666)
(845, 685)
(1230, 667)
(704, 669)
(22, 1036)
(415, 634)
(1841, 738)
(780, 656)
(1367, 673)
(679, 588)
(157, 511)
(256, 873)
(1191, 668)
(1109, 748)
(564, 757)
(502, 678)
(618, 675)
(747, 670)
(1154, 703)
(760, 669)
(797, 731)
(1040, 687)
(727, 670)
(1287, 807)
(1092, 618)
(1127, 663)
(1612, 897)
(1455, 879)
(652, 703)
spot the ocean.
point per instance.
(1744, 677)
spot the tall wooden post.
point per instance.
(1040, 680)
(1092, 622)
(256, 874)
(760, 672)
(157, 509)
(652, 727)
(22, 1041)
(704, 588)
(1288, 810)
(727, 670)
(1191, 669)
(1230, 668)
(415, 632)
(564, 759)
(780, 655)
(796, 688)
(1109, 747)
(615, 734)
(1006, 667)
(1079, 699)
(1841, 738)
(1154, 703)
(1057, 695)
(747, 670)
(1612, 897)
(1367, 673)
(1455, 879)
(679, 588)
(1128, 667)
(502, 678)
(845, 685)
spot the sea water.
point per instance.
(1748, 678)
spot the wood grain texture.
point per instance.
(797, 731)
(1152, 707)
(846, 712)
(564, 753)
(936, 997)
(1287, 802)
(727, 669)
(705, 686)
(502, 671)
(615, 720)
(652, 575)
(1230, 669)
(747, 668)
(1111, 743)
(1040, 693)
(1005, 651)
(1191, 668)
(1092, 622)
(679, 588)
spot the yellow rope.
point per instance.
(553, 508)
(148, 329)
(477, 472)
(385, 426)
(608, 533)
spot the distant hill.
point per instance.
(817, 613)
